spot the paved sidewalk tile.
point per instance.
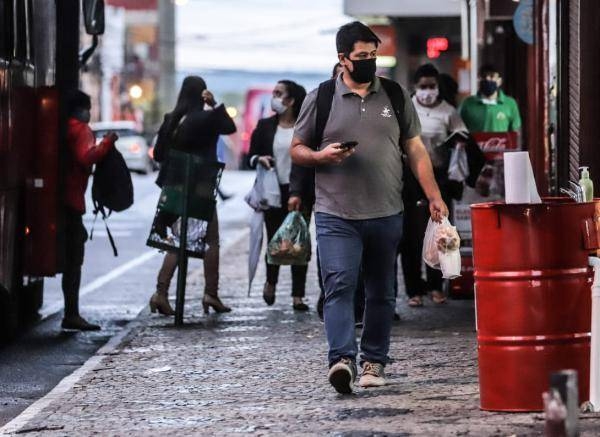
(262, 371)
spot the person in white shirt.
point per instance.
(270, 147)
(438, 120)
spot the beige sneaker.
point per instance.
(372, 376)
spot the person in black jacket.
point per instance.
(270, 147)
(193, 129)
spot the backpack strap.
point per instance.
(302, 179)
(397, 99)
(100, 209)
(324, 100)
(95, 212)
(110, 237)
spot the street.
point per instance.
(114, 290)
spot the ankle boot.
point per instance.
(213, 301)
(160, 302)
(269, 294)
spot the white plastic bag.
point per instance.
(265, 193)
(441, 248)
(458, 169)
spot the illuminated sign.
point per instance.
(435, 47)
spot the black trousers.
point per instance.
(274, 218)
(416, 217)
(411, 249)
(75, 238)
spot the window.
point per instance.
(22, 30)
(5, 29)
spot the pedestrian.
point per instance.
(270, 147)
(192, 129)
(358, 188)
(448, 89)
(82, 154)
(490, 110)
(438, 120)
(359, 297)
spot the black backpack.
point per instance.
(302, 179)
(112, 189)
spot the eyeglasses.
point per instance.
(427, 86)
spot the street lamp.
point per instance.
(232, 111)
(136, 92)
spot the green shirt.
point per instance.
(482, 117)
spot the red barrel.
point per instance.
(532, 297)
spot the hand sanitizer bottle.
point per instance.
(586, 184)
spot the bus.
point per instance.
(39, 63)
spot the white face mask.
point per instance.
(427, 96)
(277, 105)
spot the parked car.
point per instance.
(131, 144)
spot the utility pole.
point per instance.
(166, 37)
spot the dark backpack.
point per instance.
(112, 189)
(302, 179)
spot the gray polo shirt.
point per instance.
(368, 184)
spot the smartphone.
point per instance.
(347, 145)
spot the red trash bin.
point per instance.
(532, 297)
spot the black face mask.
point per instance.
(488, 87)
(364, 70)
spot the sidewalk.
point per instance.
(262, 370)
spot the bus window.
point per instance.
(21, 29)
(5, 25)
(28, 30)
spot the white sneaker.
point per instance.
(372, 376)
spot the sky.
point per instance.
(258, 35)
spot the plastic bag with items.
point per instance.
(196, 237)
(441, 248)
(265, 193)
(291, 243)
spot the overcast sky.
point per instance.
(258, 35)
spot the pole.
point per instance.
(464, 30)
(474, 45)
(183, 259)
(563, 386)
(166, 39)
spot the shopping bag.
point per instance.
(291, 243)
(196, 235)
(265, 193)
(458, 169)
(203, 178)
(441, 248)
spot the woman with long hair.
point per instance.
(193, 127)
(270, 147)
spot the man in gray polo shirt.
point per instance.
(359, 203)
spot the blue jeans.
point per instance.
(343, 246)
